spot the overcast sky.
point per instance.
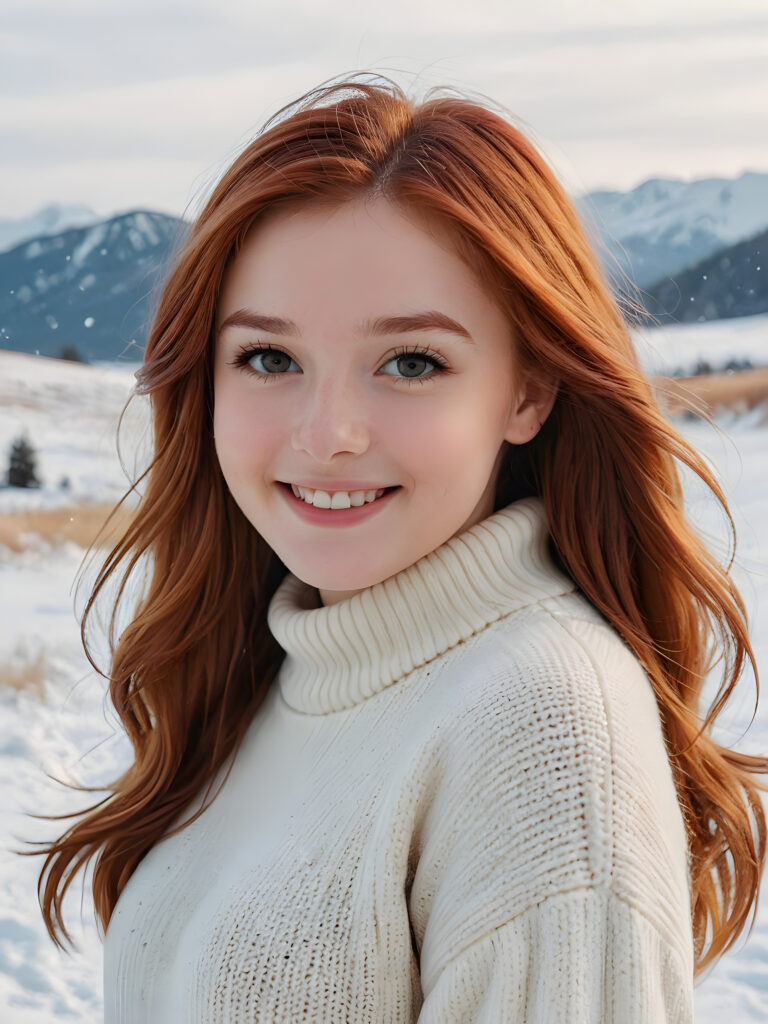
(121, 104)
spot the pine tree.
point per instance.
(71, 353)
(22, 465)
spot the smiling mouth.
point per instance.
(290, 488)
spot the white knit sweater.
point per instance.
(455, 805)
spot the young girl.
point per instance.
(413, 687)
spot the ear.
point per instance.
(533, 402)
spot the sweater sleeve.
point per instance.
(551, 880)
(584, 957)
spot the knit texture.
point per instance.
(455, 805)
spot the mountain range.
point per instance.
(663, 227)
(49, 220)
(687, 252)
(88, 288)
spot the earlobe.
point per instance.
(534, 404)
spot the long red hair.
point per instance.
(195, 662)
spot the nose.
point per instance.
(331, 421)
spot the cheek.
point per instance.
(241, 429)
(433, 439)
(450, 444)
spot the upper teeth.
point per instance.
(335, 499)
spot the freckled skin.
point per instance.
(342, 405)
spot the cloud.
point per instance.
(168, 88)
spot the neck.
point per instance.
(341, 654)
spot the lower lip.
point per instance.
(335, 516)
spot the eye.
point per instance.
(411, 360)
(263, 360)
(268, 363)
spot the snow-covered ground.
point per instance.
(681, 347)
(69, 413)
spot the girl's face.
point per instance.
(355, 351)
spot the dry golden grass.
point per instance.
(25, 677)
(79, 524)
(740, 391)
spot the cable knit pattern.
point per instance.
(455, 805)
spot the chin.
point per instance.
(334, 582)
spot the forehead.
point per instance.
(359, 258)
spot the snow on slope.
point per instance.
(70, 412)
(672, 211)
(678, 347)
(663, 227)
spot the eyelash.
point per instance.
(243, 357)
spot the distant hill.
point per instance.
(49, 220)
(733, 282)
(88, 287)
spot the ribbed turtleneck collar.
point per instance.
(337, 656)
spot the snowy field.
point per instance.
(69, 413)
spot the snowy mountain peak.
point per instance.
(664, 225)
(87, 287)
(48, 220)
(735, 208)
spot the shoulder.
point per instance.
(557, 665)
(525, 735)
(553, 726)
(553, 669)
(552, 779)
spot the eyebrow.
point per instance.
(431, 320)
